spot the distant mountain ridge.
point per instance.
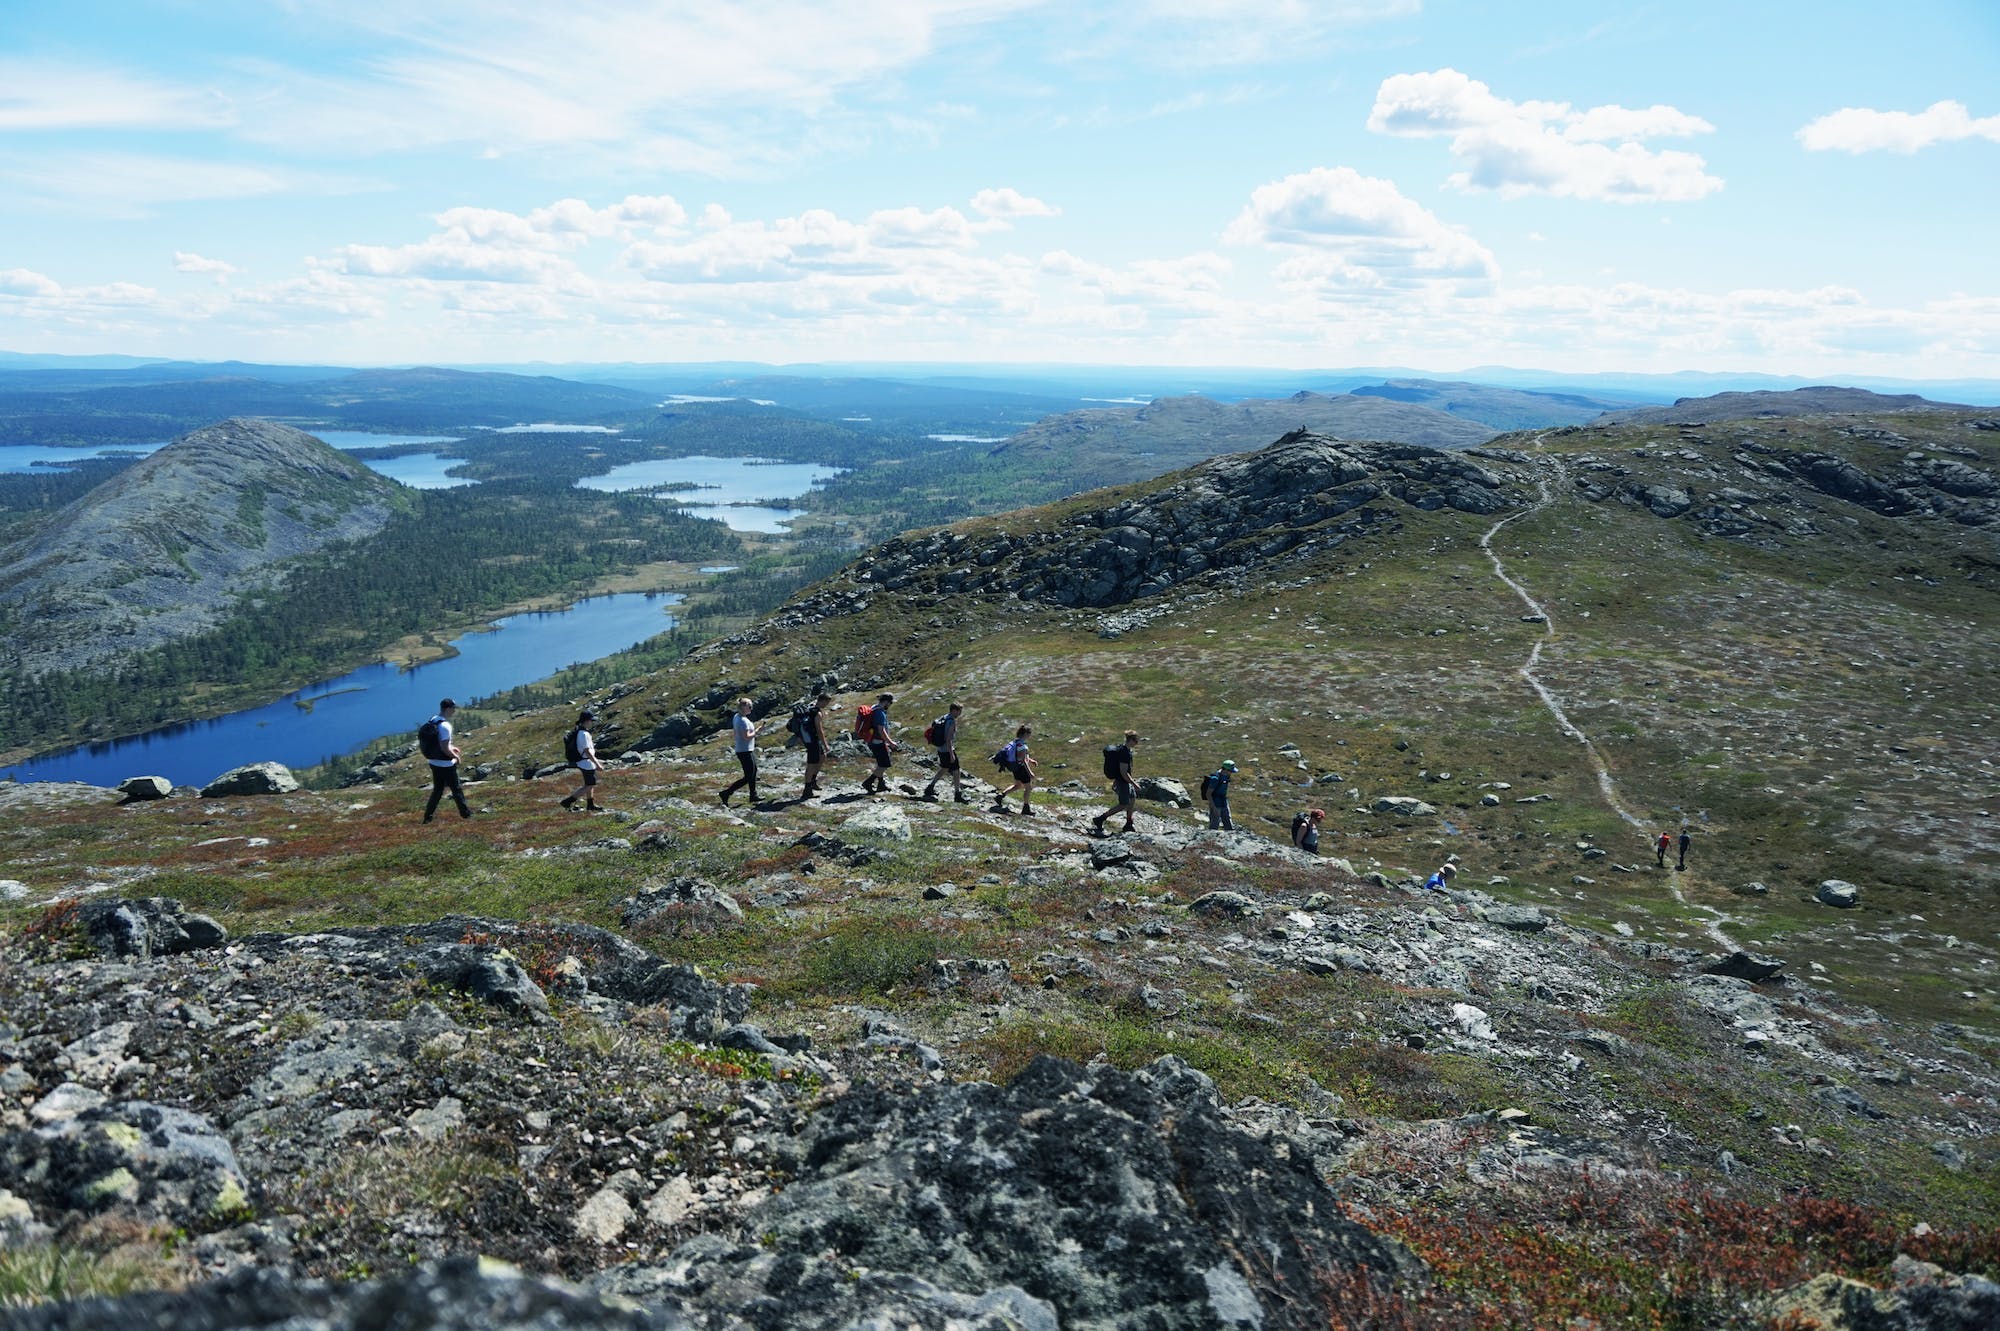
(1166, 434)
(1817, 401)
(1490, 405)
(163, 548)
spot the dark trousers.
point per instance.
(749, 777)
(443, 779)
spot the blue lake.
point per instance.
(423, 471)
(339, 715)
(747, 494)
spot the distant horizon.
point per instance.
(1525, 378)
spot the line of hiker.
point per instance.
(874, 730)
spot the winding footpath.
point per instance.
(1605, 782)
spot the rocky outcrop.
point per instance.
(252, 779)
(1304, 494)
(138, 789)
(164, 548)
(1071, 1197)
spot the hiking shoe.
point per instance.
(724, 800)
(961, 798)
(569, 805)
(929, 797)
(1026, 812)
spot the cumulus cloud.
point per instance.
(493, 245)
(1858, 130)
(184, 262)
(25, 282)
(1008, 204)
(1345, 227)
(1534, 147)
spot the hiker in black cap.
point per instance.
(811, 730)
(942, 735)
(580, 749)
(434, 738)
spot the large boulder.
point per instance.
(1161, 790)
(1838, 892)
(138, 788)
(680, 901)
(1404, 806)
(147, 927)
(252, 779)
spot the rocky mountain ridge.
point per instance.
(162, 549)
(1818, 401)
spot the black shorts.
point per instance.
(1125, 792)
(1020, 773)
(589, 775)
(815, 753)
(947, 761)
(880, 750)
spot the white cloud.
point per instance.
(1007, 204)
(133, 185)
(1519, 148)
(184, 262)
(41, 95)
(493, 245)
(1214, 33)
(24, 282)
(1857, 130)
(1353, 229)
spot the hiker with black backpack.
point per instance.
(580, 752)
(434, 742)
(744, 732)
(1215, 789)
(942, 735)
(808, 727)
(1013, 758)
(871, 727)
(1305, 830)
(1118, 767)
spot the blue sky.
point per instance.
(1800, 188)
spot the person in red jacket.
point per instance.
(1661, 847)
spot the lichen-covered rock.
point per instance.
(150, 1160)
(1071, 1197)
(1839, 893)
(460, 1294)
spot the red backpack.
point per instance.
(864, 723)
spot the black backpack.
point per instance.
(1208, 785)
(1114, 761)
(572, 749)
(1299, 820)
(796, 727)
(429, 742)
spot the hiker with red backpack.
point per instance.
(871, 727)
(1118, 767)
(1013, 757)
(942, 735)
(1660, 848)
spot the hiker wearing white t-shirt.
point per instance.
(580, 748)
(434, 739)
(745, 731)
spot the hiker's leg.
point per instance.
(437, 793)
(750, 773)
(458, 792)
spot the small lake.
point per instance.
(342, 714)
(20, 458)
(422, 471)
(747, 494)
